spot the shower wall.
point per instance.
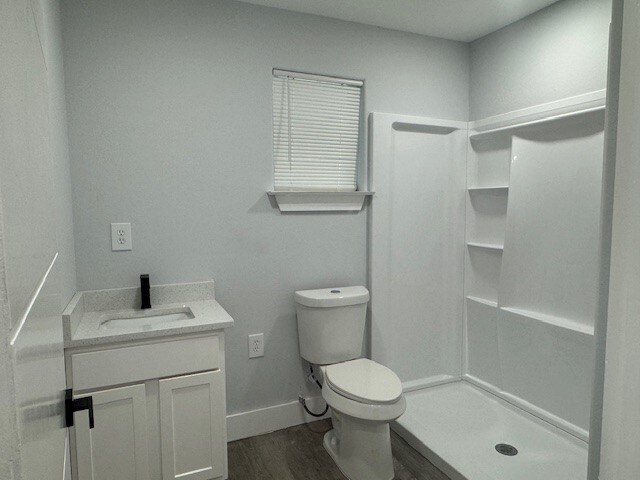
(416, 244)
(530, 300)
(531, 271)
(513, 310)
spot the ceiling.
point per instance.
(464, 20)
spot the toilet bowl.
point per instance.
(363, 395)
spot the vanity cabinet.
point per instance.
(159, 409)
(117, 446)
(190, 414)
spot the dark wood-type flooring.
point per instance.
(297, 453)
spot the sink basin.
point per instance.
(145, 319)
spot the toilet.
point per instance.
(363, 395)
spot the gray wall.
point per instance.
(558, 52)
(59, 144)
(169, 107)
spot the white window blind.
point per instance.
(316, 125)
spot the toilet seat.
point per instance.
(383, 412)
(363, 389)
(364, 381)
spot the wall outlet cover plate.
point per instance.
(256, 345)
(120, 237)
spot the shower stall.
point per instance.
(484, 248)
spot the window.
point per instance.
(316, 128)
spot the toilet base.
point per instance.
(361, 449)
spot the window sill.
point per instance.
(310, 201)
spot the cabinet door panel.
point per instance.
(116, 448)
(191, 426)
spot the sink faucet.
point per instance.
(144, 290)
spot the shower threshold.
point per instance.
(457, 427)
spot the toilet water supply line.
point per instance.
(303, 401)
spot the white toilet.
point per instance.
(363, 395)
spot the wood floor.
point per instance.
(297, 453)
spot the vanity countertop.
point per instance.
(85, 316)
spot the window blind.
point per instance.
(316, 125)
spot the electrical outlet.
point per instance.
(120, 236)
(256, 345)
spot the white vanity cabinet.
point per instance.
(158, 405)
(190, 411)
(117, 446)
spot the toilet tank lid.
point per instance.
(332, 297)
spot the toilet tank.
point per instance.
(331, 323)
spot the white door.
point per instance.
(116, 448)
(32, 381)
(192, 426)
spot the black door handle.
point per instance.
(77, 405)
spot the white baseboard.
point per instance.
(269, 419)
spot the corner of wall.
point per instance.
(52, 48)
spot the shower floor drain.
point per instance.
(506, 449)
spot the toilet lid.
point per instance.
(365, 381)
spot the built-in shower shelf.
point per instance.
(496, 189)
(486, 246)
(562, 322)
(534, 119)
(483, 301)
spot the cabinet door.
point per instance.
(116, 448)
(192, 426)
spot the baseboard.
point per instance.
(269, 419)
